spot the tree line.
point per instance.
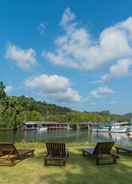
(16, 110)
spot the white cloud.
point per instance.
(101, 92)
(8, 89)
(120, 69)
(24, 58)
(42, 28)
(105, 78)
(55, 86)
(76, 48)
(67, 19)
(68, 96)
(49, 83)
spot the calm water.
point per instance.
(63, 135)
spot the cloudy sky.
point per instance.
(72, 53)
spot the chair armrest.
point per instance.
(114, 154)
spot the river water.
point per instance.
(78, 136)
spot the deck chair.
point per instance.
(101, 151)
(125, 149)
(9, 152)
(56, 154)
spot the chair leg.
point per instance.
(64, 163)
(11, 159)
(12, 162)
(45, 162)
(114, 160)
(32, 154)
(97, 161)
(83, 153)
(117, 150)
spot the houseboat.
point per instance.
(31, 125)
(44, 126)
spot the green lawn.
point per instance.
(78, 170)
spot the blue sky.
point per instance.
(68, 52)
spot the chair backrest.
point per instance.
(7, 148)
(103, 148)
(56, 149)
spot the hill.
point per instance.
(16, 110)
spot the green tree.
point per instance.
(2, 90)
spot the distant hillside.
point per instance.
(16, 110)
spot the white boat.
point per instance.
(118, 129)
(42, 129)
(130, 131)
(112, 129)
(105, 129)
(130, 135)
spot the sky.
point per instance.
(72, 53)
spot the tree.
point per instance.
(2, 90)
(16, 110)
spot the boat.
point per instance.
(104, 129)
(42, 129)
(130, 135)
(118, 129)
(112, 128)
(130, 132)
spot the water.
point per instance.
(79, 136)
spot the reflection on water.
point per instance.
(63, 135)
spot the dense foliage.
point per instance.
(16, 110)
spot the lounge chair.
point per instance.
(56, 154)
(126, 149)
(9, 152)
(101, 151)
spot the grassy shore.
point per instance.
(78, 170)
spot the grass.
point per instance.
(77, 170)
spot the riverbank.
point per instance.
(77, 170)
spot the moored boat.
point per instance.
(42, 129)
(105, 129)
(118, 129)
(130, 132)
(112, 128)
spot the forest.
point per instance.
(14, 111)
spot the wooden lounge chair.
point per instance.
(125, 149)
(56, 154)
(9, 152)
(102, 150)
